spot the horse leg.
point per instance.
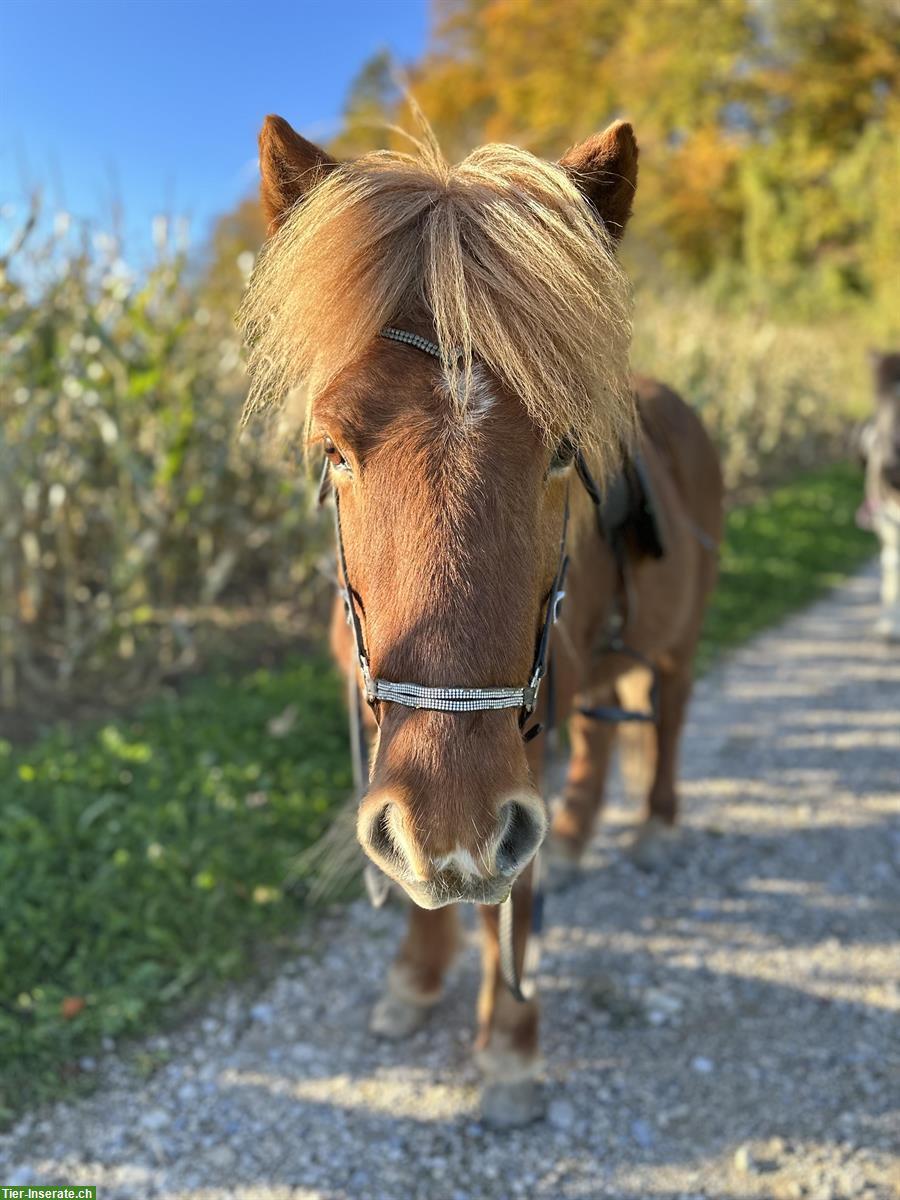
(507, 1044)
(657, 832)
(415, 979)
(582, 798)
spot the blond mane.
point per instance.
(502, 249)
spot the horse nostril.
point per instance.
(378, 836)
(522, 834)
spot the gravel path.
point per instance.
(726, 1029)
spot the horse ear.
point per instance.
(289, 167)
(605, 168)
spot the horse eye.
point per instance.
(562, 455)
(332, 453)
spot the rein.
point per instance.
(456, 699)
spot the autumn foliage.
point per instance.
(769, 129)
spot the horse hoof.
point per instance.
(653, 844)
(560, 865)
(506, 1104)
(395, 1017)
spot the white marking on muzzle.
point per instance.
(461, 861)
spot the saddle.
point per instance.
(627, 519)
(628, 509)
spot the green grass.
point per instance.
(140, 860)
(782, 552)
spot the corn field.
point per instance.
(127, 500)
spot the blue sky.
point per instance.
(158, 102)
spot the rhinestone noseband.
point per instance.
(413, 695)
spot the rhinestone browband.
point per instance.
(411, 339)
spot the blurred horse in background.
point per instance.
(461, 335)
(881, 509)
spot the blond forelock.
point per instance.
(503, 250)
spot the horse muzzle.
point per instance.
(471, 873)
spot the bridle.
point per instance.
(458, 699)
(452, 699)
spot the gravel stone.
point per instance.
(157, 1118)
(738, 1006)
(642, 1132)
(561, 1114)
(20, 1176)
(744, 1160)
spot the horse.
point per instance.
(459, 338)
(880, 512)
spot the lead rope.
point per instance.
(378, 886)
(506, 935)
(506, 924)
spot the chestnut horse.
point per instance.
(460, 336)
